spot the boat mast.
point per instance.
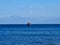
(30, 11)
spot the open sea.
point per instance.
(36, 34)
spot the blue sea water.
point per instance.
(36, 34)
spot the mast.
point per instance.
(30, 11)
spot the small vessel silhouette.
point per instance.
(28, 24)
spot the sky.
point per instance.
(35, 11)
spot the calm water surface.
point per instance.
(36, 34)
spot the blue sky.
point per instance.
(35, 11)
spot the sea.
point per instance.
(35, 34)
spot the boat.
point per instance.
(28, 24)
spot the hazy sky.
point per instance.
(36, 11)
